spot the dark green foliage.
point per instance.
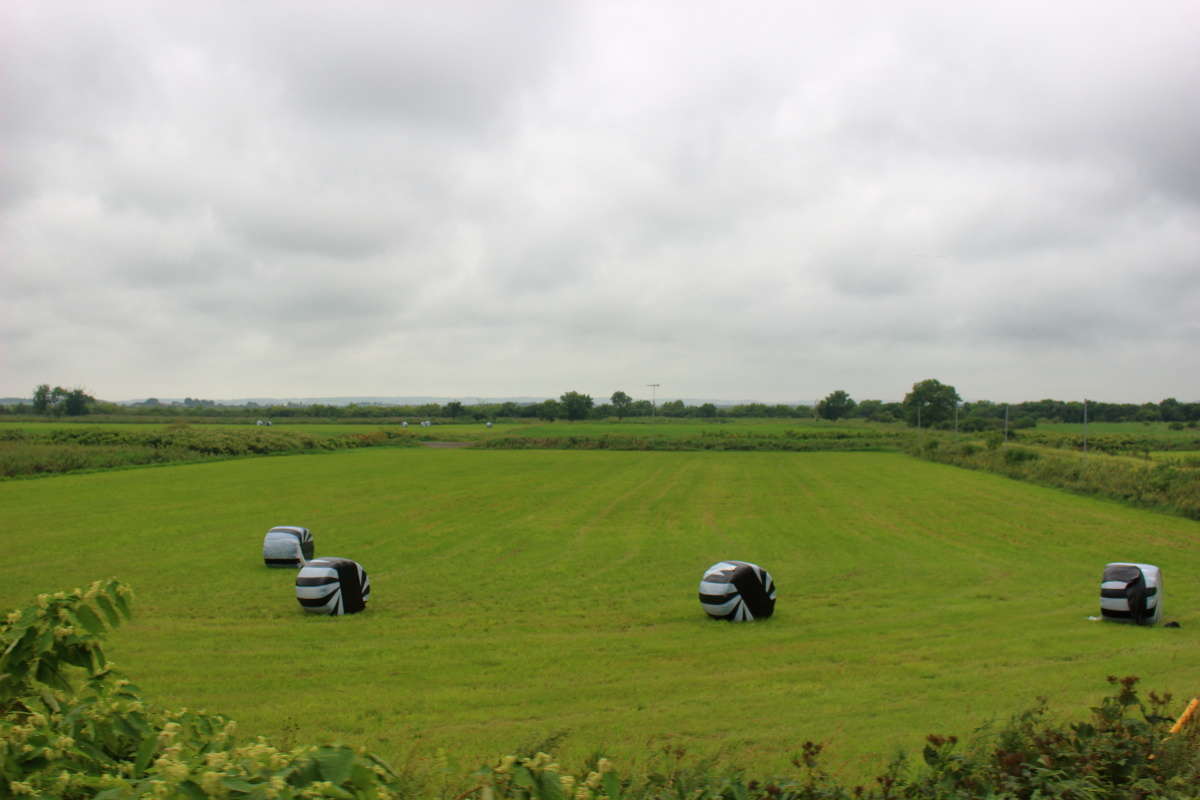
(576, 405)
(67, 450)
(1017, 455)
(930, 403)
(59, 401)
(1124, 751)
(790, 440)
(1111, 443)
(621, 403)
(835, 406)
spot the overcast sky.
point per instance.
(737, 201)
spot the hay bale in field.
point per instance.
(737, 591)
(332, 586)
(1131, 592)
(287, 546)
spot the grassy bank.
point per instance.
(59, 449)
(1171, 486)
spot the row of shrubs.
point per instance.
(1111, 443)
(68, 450)
(1170, 487)
(71, 727)
(790, 440)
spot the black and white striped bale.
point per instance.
(287, 546)
(332, 586)
(1131, 592)
(737, 591)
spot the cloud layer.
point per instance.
(767, 202)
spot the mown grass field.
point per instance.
(520, 594)
(473, 430)
(1126, 428)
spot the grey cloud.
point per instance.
(740, 201)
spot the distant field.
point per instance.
(473, 429)
(1127, 428)
(520, 594)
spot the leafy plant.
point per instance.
(71, 727)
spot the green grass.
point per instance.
(519, 594)
(473, 430)
(1126, 428)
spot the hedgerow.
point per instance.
(72, 727)
(67, 450)
(1170, 487)
(788, 441)
(1110, 443)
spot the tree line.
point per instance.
(930, 404)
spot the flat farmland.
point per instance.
(518, 595)
(473, 430)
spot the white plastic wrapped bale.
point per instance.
(287, 546)
(1131, 592)
(332, 586)
(737, 591)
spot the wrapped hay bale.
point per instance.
(332, 586)
(287, 546)
(737, 591)
(1131, 592)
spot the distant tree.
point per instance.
(1171, 410)
(930, 403)
(869, 409)
(673, 408)
(454, 409)
(547, 409)
(59, 401)
(835, 406)
(641, 408)
(706, 410)
(508, 409)
(576, 405)
(41, 398)
(77, 402)
(750, 410)
(621, 403)
(1149, 412)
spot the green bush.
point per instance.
(1017, 455)
(1124, 751)
(68, 450)
(71, 727)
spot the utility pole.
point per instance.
(653, 393)
(1085, 428)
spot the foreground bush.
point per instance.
(71, 728)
